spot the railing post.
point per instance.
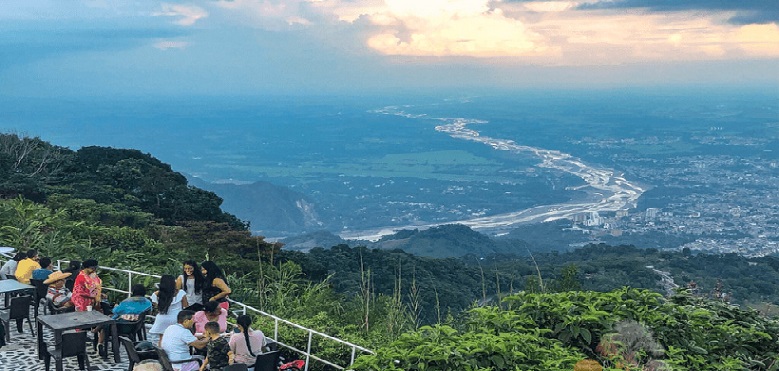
(129, 284)
(275, 329)
(308, 349)
(354, 351)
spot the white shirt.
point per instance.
(8, 269)
(175, 342)
(192, 296)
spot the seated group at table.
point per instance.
(191, 309)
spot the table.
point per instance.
(10, 286)
(77, 320)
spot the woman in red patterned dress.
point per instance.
(87, 288)
(87, 291)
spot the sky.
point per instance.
(146, 47)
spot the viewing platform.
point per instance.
(21, 352)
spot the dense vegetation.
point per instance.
(127, 209)
(626, 329)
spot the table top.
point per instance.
(74, 320)
(13, 285)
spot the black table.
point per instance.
(10, 286)
(77, 320)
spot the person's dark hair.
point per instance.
(245, 321)
(89, 263)
(212, 327)
(45, 262)
(184, 315)
(20, 256)
(167, 291)
(138, 290)
(195, 272)
(212, 271)
(211, 307)
(32, 253)
(74, 266)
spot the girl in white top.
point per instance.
(238, 341)
(169, 301)
(191, 281)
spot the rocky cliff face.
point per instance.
(271, 209)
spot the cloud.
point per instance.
(187, 14)
(170, 44)
(744, 11)
(444, 28)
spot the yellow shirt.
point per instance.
(24, 270)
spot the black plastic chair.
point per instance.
(267, 361)
(135, 330)
(39, 296)
(167, 364)
(73, 344)
(236, 367)
(19, 310)
(53, 309)
(135, 356)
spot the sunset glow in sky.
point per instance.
(246, 46)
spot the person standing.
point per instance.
(25, 267)
(215, 285)
(88, 287)
(191, 281)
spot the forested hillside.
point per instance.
(487, 311)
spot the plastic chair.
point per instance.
(267, 361)
(19, 310)
(53, 309)
(135, 330)
(236, 367)
(39, 296)
(167, 364)
(133, 355)
(73, 344)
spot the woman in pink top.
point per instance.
(239, 341)
(211, 312)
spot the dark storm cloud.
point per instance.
(747, 11)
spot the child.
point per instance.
(219, 354)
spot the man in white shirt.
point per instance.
(177, 339)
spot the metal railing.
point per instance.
(307, 353)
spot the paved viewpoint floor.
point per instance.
(21, 353)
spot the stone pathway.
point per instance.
(21, 353)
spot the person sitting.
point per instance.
(248, 343)
(9, 268)
(219, 354)
(177, 339)
(44, 271)
(25, 267)
(131, 308)
(57, 292)
(169, 301)
(211, 312)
